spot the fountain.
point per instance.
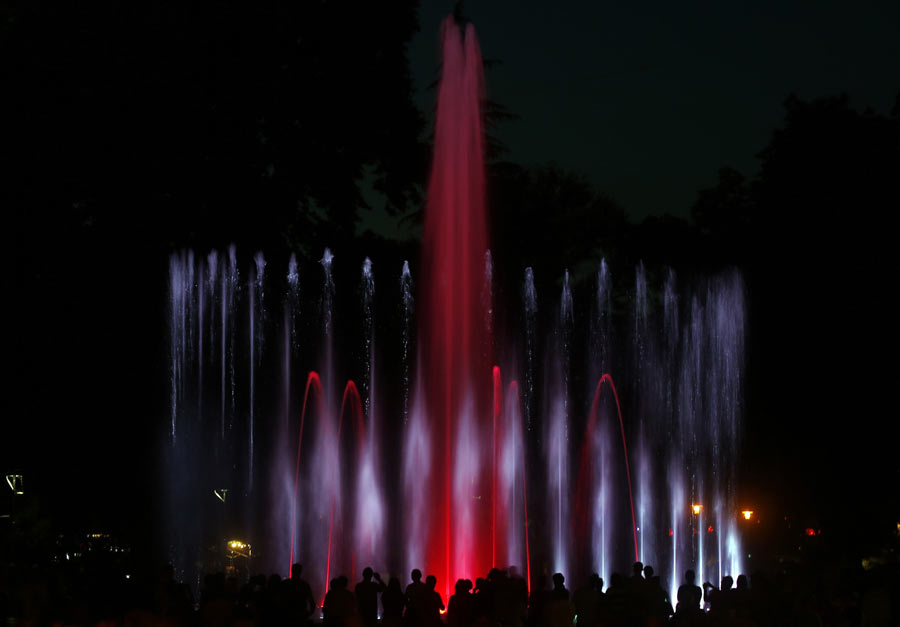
(424, 441)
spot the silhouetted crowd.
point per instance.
(799, 598)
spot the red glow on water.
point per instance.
(582, 502)
(455, 358)
(312, 382)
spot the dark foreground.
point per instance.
(792, 594)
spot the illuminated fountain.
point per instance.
(420, 440)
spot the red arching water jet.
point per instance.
(312, 382)
(585, 475)
(454, 342)
(351, 394)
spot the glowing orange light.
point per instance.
(443, 611)
(696, 508)
(747, 514)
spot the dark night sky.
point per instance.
(650, 99)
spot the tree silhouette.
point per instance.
(212, 122)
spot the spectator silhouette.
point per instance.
(392, 601)
(416, 600)
(297, 598)
(461, 606)
(367, 592)
(719, 599)
(658, 607)
(483, 602)
(339, 609)
(559, 592)
(587, 602)
(689, 597)
(617, 599)
(537, 604)
(559, 610)
(636, 581)
(434, 605)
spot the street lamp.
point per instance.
(747, 514)
(15, 484)
(696, 508)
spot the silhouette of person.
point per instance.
(339, 608)
(658, 606)
(537, 603)
(461, 606)
(559, 592)
(416, 600)
(392, 602)
(637, 578)
(587, 602)
(298, 598)
(559, 611)
(689, 596)
(367, 592)
(719, 599)
(434, 605)
(617, 598)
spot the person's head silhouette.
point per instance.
(558, 580)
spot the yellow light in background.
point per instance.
(696, 508)
(747, 514)
(239, 548)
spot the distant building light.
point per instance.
(747, 514)
(810, 531)
(710, 529)
(696, 508)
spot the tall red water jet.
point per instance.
(454, 343)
